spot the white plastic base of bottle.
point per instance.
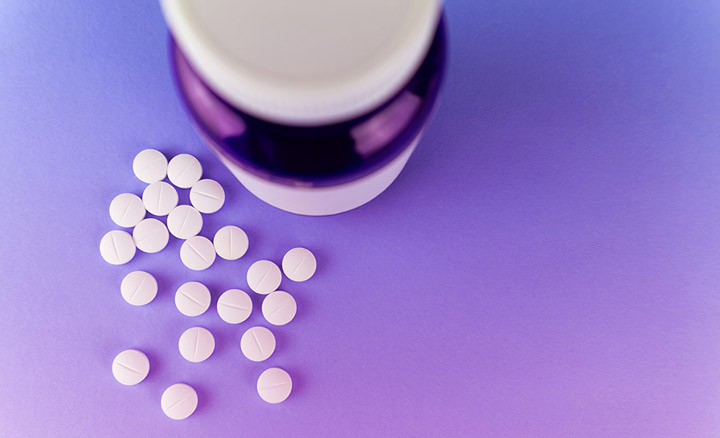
(323, 201)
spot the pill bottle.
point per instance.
(314, 105)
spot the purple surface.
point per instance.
(548, 265)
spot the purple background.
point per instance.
(548, 265)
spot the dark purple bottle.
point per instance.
(304, 125)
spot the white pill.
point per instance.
(207, 195)
(230, 242)
(159, 198)
(117, 247)
(197, 253)
(192, 298)
(274, 385)
(279, 308)
(184, 222)
(150, 166)
(179, 401)
(299, 264)
(196, 344)
(150, 235)
(138, 288)
(257, 343)
(264, 277)
(184, 170)
(234, 306)
(130, 367)
(127, 210)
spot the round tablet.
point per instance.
(117, 247)
(230, 242)
(274, 385)
(138, 288)
(150, 166)
(130, 367)
(184, 170)
(159, 198)
(150, 235)
(279, 308)
(207, 195)
(197, 253)
(179, 401)
(192, 298)
(184, 222)
(196, 344)
(257, 343)
(127, 210)
(264, 277)
(299, 264)
(234, 306)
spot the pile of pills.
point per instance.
(234, 306)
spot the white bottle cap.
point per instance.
(304, 63)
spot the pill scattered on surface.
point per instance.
(179, 401)
(159, 198)
(197, 253)
(138, 288)
(192, 298)
(184, 170)
(264, 277)
(279, 308)
(230, 242)
(127, 210)
(184, 222)
(274, 385)
(234, 306)
(150, 166)
(299, 264)
(151, 235)
(117, 247)
(207, 195)
(196, 344)
(257, 343)
(130, 367)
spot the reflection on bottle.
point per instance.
(378, 131)
(215, 114)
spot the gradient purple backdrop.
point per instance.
(548, 264)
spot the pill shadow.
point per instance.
(156, 365)
(225, 339)
(254, 243)
(282, 343)
(204, 399)
(304, 305)
(324, 263)
(216, 289)
(298, 382)
(167, 285)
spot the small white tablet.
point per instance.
(127, 210)
(117, 247)
(257, 343)
(130, 367)
(264, 277)
(234, 306)
(179, 401)
(184, 170)
(196, 344)
(274, 385)
(230, 242)
(138, 288)
(197, 253)
(207, 195)
(192, 298)
(150, 166)
(159, 198)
